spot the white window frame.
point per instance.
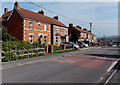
(58, 40)
(57, 30)
(65, 31)
(31, 25)
(45, 38)
(39, 26)
(45, 27)
(31, 38)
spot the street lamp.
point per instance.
(91, 31)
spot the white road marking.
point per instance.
(110, 77)
(112, 65)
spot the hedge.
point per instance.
(19, 50)
(56, 48)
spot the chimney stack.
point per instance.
(89, 31)
(5, 10)
(17, 4)
(71, 25)
(55, 17)
(85, 29)
(78, 27)
(41, 12)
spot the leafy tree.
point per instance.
(6, 36)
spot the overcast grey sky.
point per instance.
(103, 15)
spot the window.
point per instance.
(45, 27)
(64, 31)
(58, 40)
(57, 30)
(31, 38)
(39, 26)
(31, 24)
(45, 38)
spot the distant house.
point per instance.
(84, 34)
(31, 26)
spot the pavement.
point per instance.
(84, 66)
(115, 76)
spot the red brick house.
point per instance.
(31, 26)
(84, 34)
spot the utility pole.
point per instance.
(91, 31)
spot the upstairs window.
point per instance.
(31, 24)
(64, 31)
(39, 26)
(45, 27)
(57, 30)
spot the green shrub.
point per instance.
(27, 51)
(5, 59)
(55, 48)
(41, 54)
(40, 50)
(35, 51)
(35, 55)
(16, 50)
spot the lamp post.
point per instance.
(91, 31)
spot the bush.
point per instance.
(6, 36)
(55, 48)
(16, 50)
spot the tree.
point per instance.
(5, 35)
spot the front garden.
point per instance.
(15, 50)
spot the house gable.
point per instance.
(15, 25)
(14, 9)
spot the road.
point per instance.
(84, 66)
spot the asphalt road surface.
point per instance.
(86, 66)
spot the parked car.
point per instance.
(114, 45)
(82, 44)
(70, 45)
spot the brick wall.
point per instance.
(36, 31)
(15, 25)
(61, 33)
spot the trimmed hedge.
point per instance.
(56, 48)
(16, 45)
(19, 50)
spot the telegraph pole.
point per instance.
(91, 31)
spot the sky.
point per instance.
(102, 15)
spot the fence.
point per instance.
(21, 54)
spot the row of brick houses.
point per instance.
(83, 33)
(31, 26)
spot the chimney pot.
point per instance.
(17, 4)
(89, 31)
(78, 27)
(55, 17)
(5, 10)
(41, 12)
(71, 25)
(85, 29)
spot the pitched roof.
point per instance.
(5, 16)
(81, 30)
(36, 16)
(77, 28)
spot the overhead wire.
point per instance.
(86, 24)
(57, 13)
